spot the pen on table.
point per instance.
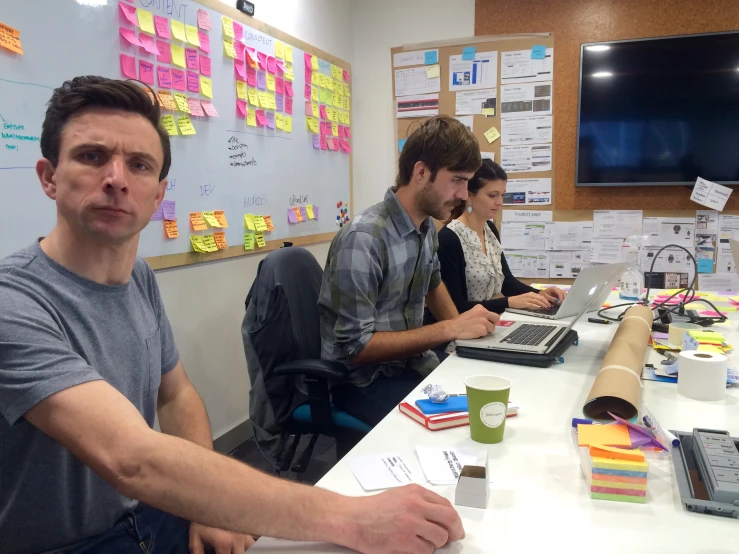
(653, 424)
(578, 421)
(598, 320)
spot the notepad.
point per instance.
(616, 453)
(603, 435)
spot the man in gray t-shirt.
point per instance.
(87, 359)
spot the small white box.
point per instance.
(472, 487)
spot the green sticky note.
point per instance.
(248, 241)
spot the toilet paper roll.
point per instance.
(676, 330)
(702, 375)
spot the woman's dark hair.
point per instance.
(489, 171)
(92, 91)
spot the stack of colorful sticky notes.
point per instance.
(617, 474)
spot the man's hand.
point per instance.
(472, 324)
(553, 293)
(406, 520)
(222, 542)
(529, 301)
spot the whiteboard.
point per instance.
(66, 38)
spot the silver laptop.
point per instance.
(539, 338)
(580, 293)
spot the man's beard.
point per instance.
(431, 204)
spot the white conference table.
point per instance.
(539, 500)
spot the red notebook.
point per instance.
(436, 422)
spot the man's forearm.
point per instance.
(184, 416)
(184, 479)
(441, 304)
(386, 346)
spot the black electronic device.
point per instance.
(246, 7)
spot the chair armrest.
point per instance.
(322, 369)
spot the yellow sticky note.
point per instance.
(488, 112)
(170, 229)
(320, 80)
(313, 124)
(492, 134)
(220, 238)
(178, 30)
(314, 78)
(261, 243)
(253, 98)
(185, 125)
(279, 122)
(335, 129)
(347, 119)
(210, 219)
(613, 434)
(314, 94)
(314, 109)
(228, 47)
(178, 55)
(288, 74)
(228, 27)
(345, 103)
(270, 82)
(197, 243)
(251, 118)
(309, 211)
(169, 125)
(241, 89)
(432, 71)
(347, 92)
(336, 100)
(206, 86)
(259, 223)
(263, 99)
(272, 102)
(181, 101)
(249, 222)
(333, 114)
(248, 241)
(314, 63)
(146, 21)
(196, 221)
(288, 124)
(191, 33)
(288, 53)
(209, 242)
(279, 50)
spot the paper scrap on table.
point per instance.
(710, 194)
(248, 241)
(170, 229)
(382, 471)
(612, 434)
(492, 135)
(442, 465)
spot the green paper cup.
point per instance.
(487, 401)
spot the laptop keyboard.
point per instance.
(551, 310)
(529, 334)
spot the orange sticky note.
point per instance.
(221, 218)
(165, 97)
(220, 238)
(10, 38)
(616, 453)
(613, 434)
(268, 222)
(170, 229)
(196, 220)
(298, 215)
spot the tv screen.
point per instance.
(660, 111)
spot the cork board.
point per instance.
(574, 22)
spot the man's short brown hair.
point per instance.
(441, 142)
(98, 92)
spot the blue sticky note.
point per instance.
(538, 52)
(468, 53)
(430, 57)
(705, 265)
(401, 144)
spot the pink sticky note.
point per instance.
(195, 107)
(146, 72)
(307, 93)
(324, 144)
(203, 20)
(288, 105)
(261, 118)
(162, 25)
(289, 88)
(347, 132)
(341, 131)
(347, 77)
(130, 36)
(249, 57)
(308, 63)
(129, 14)
(308, 75)
(271, 66)
(346, 146)
(165, 52)
(240, 70)
(241, 106)
(191, 56)
(240, 48)
(317, 142)
(308, 108)
(178, 79)
(209, 108)
(164, 76)
(279, 85)
(147, 42)
(128, 66)
(204, 42)
(280, 65)
(205, 65)
(238, 31)
(262, 60)
(322, 109)
(251, 77)
(193, 82)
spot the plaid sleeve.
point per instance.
(436, 269)
(356, 274)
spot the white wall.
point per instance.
(205, 302)
(377, 26)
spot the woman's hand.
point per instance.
(553, 294)
(530, 301)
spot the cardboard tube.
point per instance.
(618, 383)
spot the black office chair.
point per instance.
(289, 394)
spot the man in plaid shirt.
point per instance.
(382, 269)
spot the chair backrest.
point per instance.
(281, 324)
